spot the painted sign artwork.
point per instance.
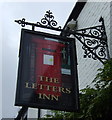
(47, 72)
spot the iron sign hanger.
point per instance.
(47, 22)
(93, 39)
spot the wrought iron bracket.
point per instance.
(94, 39)
(47, 22)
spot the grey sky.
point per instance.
(33, 12)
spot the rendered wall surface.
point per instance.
(89, 16)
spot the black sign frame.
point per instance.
(23, 74)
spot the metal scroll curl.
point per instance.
(48, 20)
(94, 41)
(93, 47)
(95, 32)
(21, 22)
(92, 31)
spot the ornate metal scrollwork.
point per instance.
(94, 41)
(48, 20)
(21, 22)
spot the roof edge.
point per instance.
(76, 11)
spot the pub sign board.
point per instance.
(47, 72)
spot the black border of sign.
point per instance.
(73, 55)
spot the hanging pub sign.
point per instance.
(47, 73)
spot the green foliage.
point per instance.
(96, 102)
(104, 77)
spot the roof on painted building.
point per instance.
(76, 11)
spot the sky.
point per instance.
(10, 39)
(32, 11)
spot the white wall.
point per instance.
(33, 113)
(89, 16)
